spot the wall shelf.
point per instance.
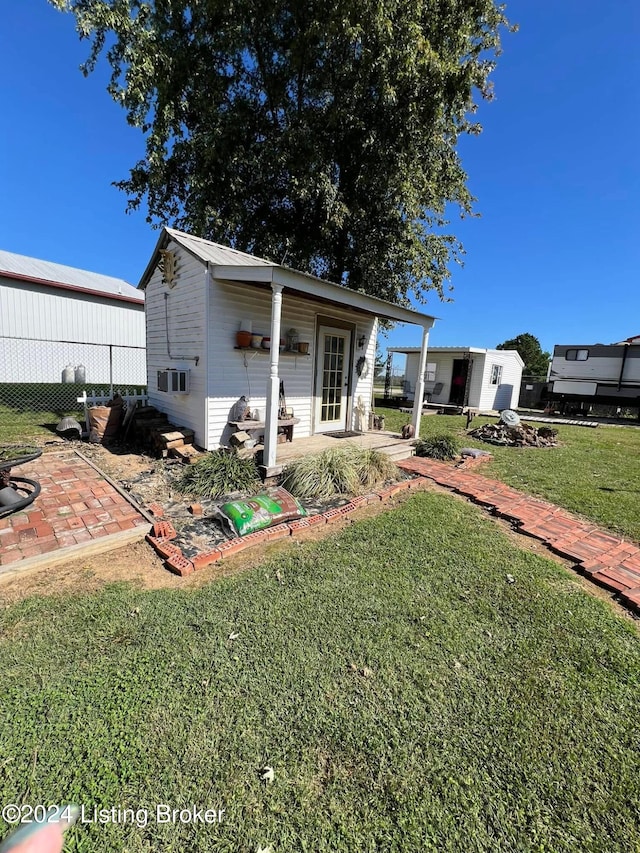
(263, 351)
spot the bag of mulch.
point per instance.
(104, 421)
(265, 510)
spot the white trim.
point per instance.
(273, 383)
(345, 394)
(262, 271)
(320, 289)
(453, 350)
(206, 344)
(419, 395)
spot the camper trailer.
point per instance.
(596, 374)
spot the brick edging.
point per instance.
(608, 560)
(163, 533)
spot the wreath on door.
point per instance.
(362, 367)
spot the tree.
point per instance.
(321, 135)
(528, 346)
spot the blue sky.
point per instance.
(555, 252)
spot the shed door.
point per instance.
(332, 378)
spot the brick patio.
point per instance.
(604, 558)
(76, 507)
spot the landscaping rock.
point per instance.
(522, 435)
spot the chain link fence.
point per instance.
(40, 380)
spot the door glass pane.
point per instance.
(332, 377)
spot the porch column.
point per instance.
(273, 384)
(419, 395)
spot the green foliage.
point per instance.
(441, 447)
(344, 470)
(219, 473)
(323, 135)
(374, 468)
(528, 346)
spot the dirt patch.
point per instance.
(126, 467)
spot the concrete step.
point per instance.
(397, 450)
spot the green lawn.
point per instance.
(20, 426)
(595, 472)
(407, 696)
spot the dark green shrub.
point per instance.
(441, 447)
(220, 473)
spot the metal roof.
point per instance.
(36, 271)
(216, 253)
(445, 350)
(232, 265)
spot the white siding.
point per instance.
(505, 395)
(186, 320)
(604, 367)
(482, 395)
(477, 373)
(42, 330)
(411, 374)
(444, 372)
(233, 372)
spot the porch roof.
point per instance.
(231, 265)
(454, 350)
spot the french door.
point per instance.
(332, 378)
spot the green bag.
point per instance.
(265, 510)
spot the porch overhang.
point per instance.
(281, 280)
(322, 291)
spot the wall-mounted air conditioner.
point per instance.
(174, 381)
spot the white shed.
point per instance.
(486, 379)
(200, 294)
(54, 317)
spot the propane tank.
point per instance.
(80, 374)
(68, 374)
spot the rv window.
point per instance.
(496, 374)
(430, 373)
(577, 354)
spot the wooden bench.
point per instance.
(251, 426)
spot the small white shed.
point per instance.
(200, 294)
(54, 317)
(486, 379)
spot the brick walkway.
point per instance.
(612, 562)
(76, 506)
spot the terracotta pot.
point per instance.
(243, 339)
(303, 347)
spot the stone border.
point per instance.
(163, 533)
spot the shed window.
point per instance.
(430, 373)
(577, 354)
(496, 374)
